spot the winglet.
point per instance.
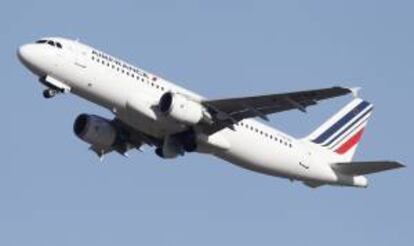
(355, 91)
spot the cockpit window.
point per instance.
(49, 42)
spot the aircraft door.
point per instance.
(81, 57)
(81, 60)
(306, 160)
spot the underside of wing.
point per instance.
(115, 135)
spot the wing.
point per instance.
(229, 111)
(128, 139)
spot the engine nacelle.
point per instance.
(95, 130)
(182, 109)
(171, 148)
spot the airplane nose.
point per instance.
(29, 55)
(23, 53)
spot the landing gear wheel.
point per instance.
(49, 93)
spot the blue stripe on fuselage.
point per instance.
(340, 123)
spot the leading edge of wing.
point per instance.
(231, 110)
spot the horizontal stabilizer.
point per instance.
(365, 167)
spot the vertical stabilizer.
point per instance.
(341, 133)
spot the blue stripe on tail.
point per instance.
(348, 127)
(340, 123)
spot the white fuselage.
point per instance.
(115, 85)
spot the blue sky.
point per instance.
(53, 191)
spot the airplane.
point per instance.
(149, 110)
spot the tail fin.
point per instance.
(342, 132)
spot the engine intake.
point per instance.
(182, 109)
(95, 130)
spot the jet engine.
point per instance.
(97, 131)
(177, 144)
(171, 148)
(183, 109)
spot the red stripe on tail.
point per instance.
(350, 142)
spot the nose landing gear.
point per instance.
(53, 85)
(49, 93)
